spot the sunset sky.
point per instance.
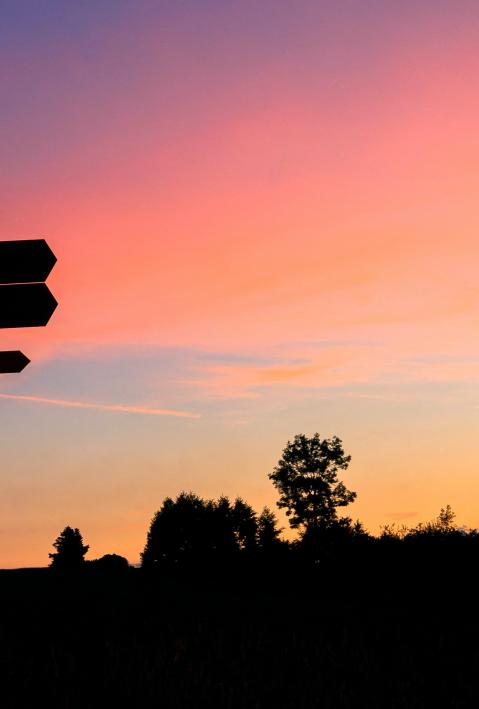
(266, 219)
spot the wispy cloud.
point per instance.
(336, 366)
(145, 410)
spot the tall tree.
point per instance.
(306, 478)
(70, 550)
(177, 531)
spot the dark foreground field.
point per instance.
(138, 640)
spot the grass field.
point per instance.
(142, 641)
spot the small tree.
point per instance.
(445, 520)
(70, 550)
(306, 477)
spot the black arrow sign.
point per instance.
(25, 261)
(25, 301)
(26, 305)
(12, 362)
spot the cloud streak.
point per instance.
(143, 410)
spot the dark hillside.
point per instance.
(283, 638)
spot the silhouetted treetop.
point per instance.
(306, 478)
(245, 524)
(191, 528)
(188, 528)
(70, 550)
(268, 530)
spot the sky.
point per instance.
(265, 219)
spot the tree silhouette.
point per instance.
(70, 550)
(191, 529)
(268, 530)
(445, 520)
(245, 524)
(222, 533)
(177, 531)
(306, 477)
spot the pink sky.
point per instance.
(283, 206)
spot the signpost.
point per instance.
(26, 305)
(25, 261)
(25, 300)
(12, 362)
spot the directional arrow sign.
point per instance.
(26, 305)
(26, 300)
(25, 261)
(12, 362)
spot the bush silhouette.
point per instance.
(111, 563)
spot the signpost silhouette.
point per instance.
(25, 300)
(26, 305)
(12, 362)
(25, 261)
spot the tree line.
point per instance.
(190, 530)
